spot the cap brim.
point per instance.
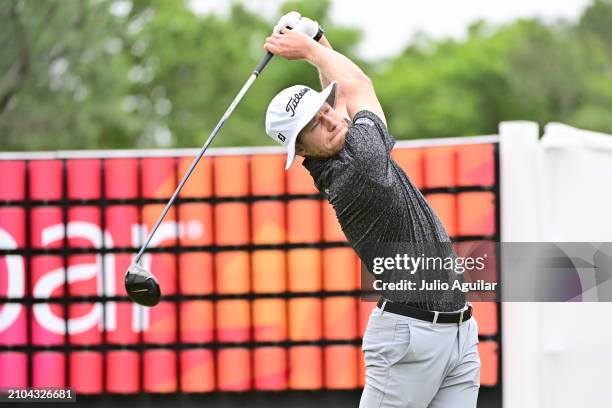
(290, 154)
(332, 94)
(329, 95)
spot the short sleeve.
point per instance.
(371, 123)
(369, 146)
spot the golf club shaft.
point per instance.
(226, 115)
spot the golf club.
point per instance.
(140, 284)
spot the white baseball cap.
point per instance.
(291, 109)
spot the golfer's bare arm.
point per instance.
(341, 99)
(356, 88)
(324, 80)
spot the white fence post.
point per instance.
(558, 189)
(519, 222)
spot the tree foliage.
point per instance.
(151, 73)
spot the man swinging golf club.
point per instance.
(418, 353)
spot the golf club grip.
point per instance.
(262, 64)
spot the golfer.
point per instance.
(419, 352)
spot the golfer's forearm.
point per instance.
(334, 66)
(324, 80)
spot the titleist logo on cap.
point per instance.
(294, 100)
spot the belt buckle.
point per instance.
(461, 316)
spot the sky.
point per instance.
(388, 25)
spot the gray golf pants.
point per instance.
(412, 363)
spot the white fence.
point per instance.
(556, 189)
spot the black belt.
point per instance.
(426, 315)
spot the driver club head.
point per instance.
(141, 286)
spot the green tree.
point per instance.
(146, 73)
(199, 63)
(142, 73)
(62, 76)
(593, 47)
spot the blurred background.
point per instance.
(263, 306)
(92, 74)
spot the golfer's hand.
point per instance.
(290, 44)
(290, 20)
(295, 21)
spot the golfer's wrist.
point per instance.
(313, 51)
(319, 54)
